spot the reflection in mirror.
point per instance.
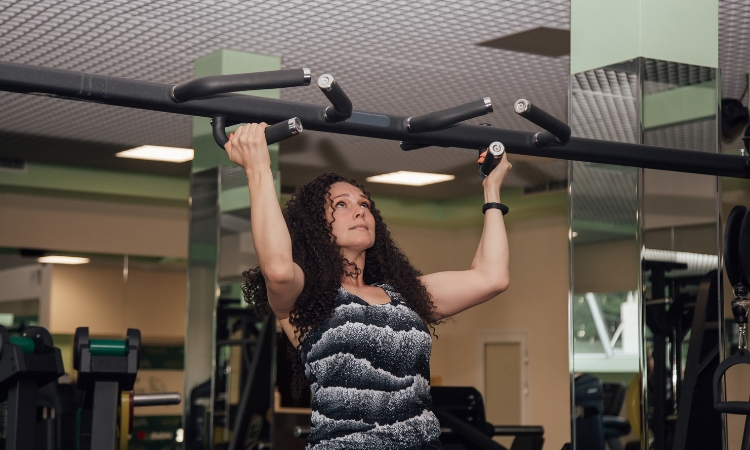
(604, 247)
(230, 351)
(680, 261)
(644, 260)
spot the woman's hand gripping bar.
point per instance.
(274, 133)
(492, 157)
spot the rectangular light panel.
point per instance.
(56, 259)
(155, 153)
(410, 178)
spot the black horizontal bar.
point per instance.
(243, 108)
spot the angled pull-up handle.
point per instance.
(341, 105)
(446, 117)
(222, 84)
(495, 153)
(558, 132)
(274, 133)
(733, 407)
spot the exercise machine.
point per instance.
(27, 363)
(463, 426)
(737, 266)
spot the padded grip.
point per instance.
(732, 244)
(744, 249)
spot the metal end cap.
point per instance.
(307, 76)
(326, 81)
(488, 104)
(497, 148)
(295, 125)
(171, 94)
(522, 106)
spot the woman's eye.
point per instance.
(365, 205)
(340, 204)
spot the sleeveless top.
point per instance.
(369, 373)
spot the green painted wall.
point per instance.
(679, 105)
(96, 184)
(604, 32)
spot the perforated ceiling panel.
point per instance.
(399, 57)
(734, 47)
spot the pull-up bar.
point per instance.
(340, 118)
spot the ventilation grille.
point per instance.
(12, 165)
(557, 185)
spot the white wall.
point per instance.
(99, 298)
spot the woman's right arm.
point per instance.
(284, 278)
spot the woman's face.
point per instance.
(349, 214)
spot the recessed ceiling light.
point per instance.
(57, 259)
(410, 178)
(155, 153)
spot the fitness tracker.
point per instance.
(494, 205)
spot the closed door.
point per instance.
(503, 384)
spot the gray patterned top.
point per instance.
(369, 372)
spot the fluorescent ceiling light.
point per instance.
(154, 153)
(56, 259)
(410, 178)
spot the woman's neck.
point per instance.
(354, 270)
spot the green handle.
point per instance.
(108, 347)
(27, 344)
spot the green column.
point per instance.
(604, 32)
(226, 62)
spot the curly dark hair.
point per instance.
(314, 249)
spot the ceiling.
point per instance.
(398, 57)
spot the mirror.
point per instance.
(641, 244)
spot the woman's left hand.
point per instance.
(496, 178)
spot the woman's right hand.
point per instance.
(247, 147)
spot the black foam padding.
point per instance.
(744, 249)
(732, 244)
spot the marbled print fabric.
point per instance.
(369, 372)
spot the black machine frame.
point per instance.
(435, 129)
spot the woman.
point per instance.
(353, 306)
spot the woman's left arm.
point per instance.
(489, 275)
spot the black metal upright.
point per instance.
(699, 425)
(258, 388)
(105, 369)
(27, 363)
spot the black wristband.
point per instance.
(495, 205)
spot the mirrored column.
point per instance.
(644, 260)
